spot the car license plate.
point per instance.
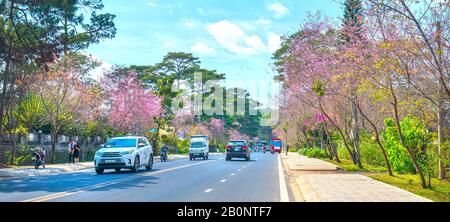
(237, 149)
(110, 161)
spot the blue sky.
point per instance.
(235, 37)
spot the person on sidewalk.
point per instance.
(70, 150)
(76, 153)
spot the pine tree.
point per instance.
(353, 22)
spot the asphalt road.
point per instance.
(214, 180)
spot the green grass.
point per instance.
(439, 191)
(349, 166)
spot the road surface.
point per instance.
(214, 180)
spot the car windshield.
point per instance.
(197, 145)
(120, 143)
(276, 143)
(236, 143)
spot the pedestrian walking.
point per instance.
(70, 150)
(76, 153)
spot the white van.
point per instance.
(199, 147)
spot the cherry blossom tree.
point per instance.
(130, 107)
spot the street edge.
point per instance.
(284, 196)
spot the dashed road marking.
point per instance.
(223, 181)
(232, 174)
(208, 190)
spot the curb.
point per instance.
(307, 192)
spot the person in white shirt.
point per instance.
(70, 150)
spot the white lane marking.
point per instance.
(223, 181)
(244, 166)
(104, 184)
(208, 190)
(239, 169)
(232, 174)
(284, 197)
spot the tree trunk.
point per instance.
(332, 147)
(308, 142)
(441, 139)
(53, 139)
(355, 131)
(402, 142)
(342, 135)
(377, 139)
(14, 149)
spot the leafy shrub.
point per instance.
(183, 146)
(370, 151)
(313, 153)
(416, 136)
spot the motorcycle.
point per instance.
(163, 156)
(38, 158)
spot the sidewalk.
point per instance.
(320, 181)
(51, 169)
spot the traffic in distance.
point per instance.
(135, 152)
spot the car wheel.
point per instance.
(207, 156)
(117, 170)
(136, 165)
(150, 163)
(99, 171)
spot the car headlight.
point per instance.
(126, 152)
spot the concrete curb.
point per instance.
(308, 192)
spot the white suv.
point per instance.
(132, 152)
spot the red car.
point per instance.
(276, 145)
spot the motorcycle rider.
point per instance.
(164, 150)
(39, 154)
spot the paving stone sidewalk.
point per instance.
(320, 181)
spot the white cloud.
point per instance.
(279, 9)
(231, 37)
(99, 72)
(274, 42)
(203, 49)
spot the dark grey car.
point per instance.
(237, 149)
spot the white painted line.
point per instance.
(232, 174)
(284, 197)
(208, 190)
(245, 166)
(239, 169)
(223, 181)
(104, 184)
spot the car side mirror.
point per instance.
(141, 145)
